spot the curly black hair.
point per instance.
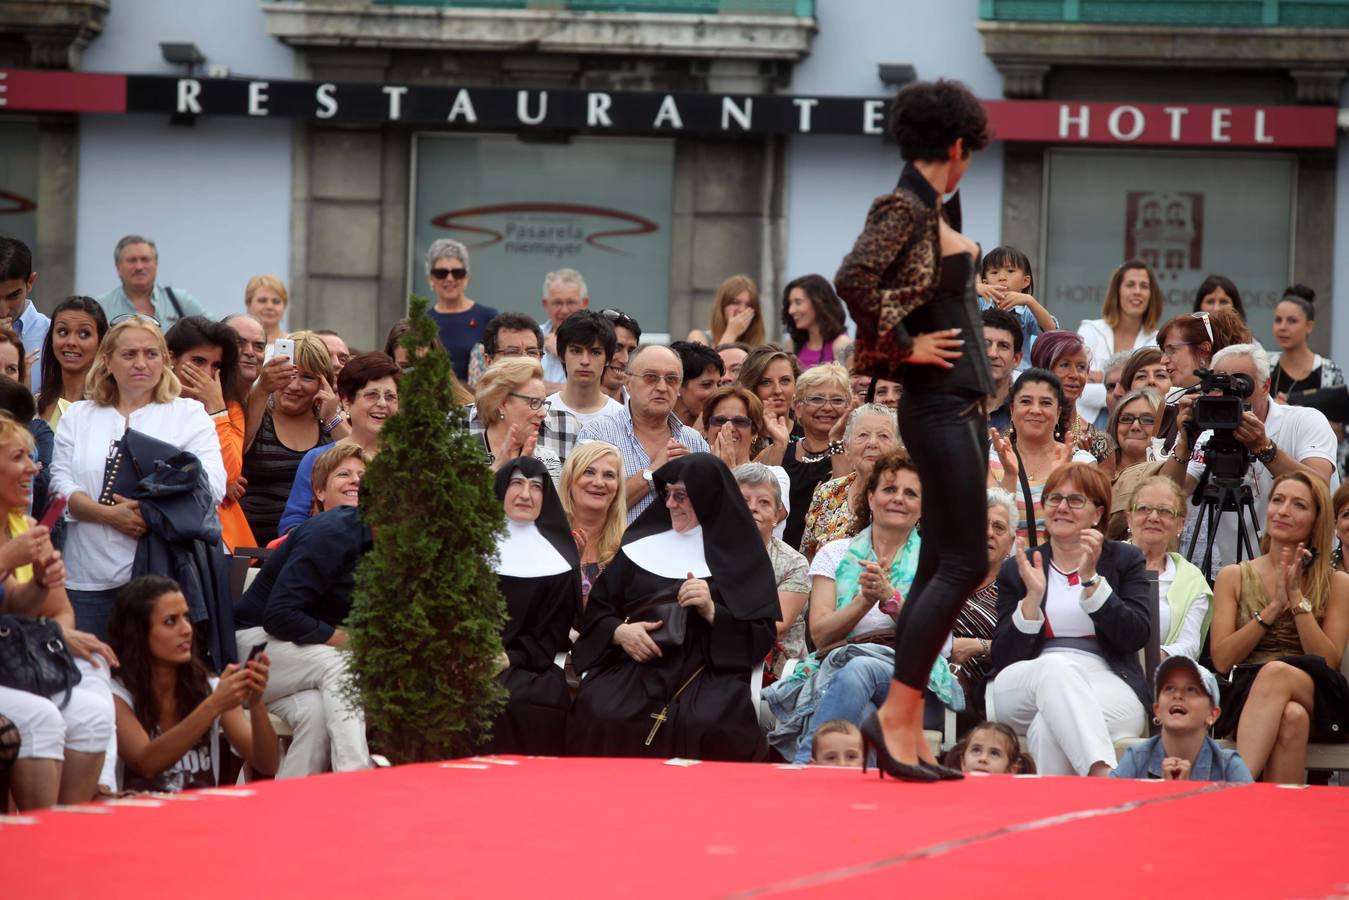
(927, 117)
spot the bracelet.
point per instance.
(835, 448)
(985, 646)
(332, 423)
(1267, 625)
(219, 412)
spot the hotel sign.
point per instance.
(652, 113)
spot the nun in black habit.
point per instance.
(538, 570)
(675, 626)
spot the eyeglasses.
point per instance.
(127, 317)
(534, 402)
(458, 273)
(374, 396)
(1074, 501)
(535, 352)
(737, 421)
(1147, 421)
(1204, 317)
(817, 402)
(1166, 513)
(676, 496)
(654, 378)
(619, 317)
(1173, 348)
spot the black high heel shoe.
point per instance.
(873, 738)
(943, 773)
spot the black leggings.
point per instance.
(946, 435)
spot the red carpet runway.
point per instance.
(639, 828)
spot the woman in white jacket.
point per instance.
(1129, 317)
(131, 385)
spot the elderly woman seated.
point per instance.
(1072, 616)
(675, 626)
(538, 570)
(1280, 624)
(871, 431)
(762, 490)
(858, 587)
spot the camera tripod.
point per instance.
(1220, 495)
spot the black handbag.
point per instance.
(663, 607)
(131, 458)
(34, 657)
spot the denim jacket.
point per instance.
(1212, 764)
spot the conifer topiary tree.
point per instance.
(426, 615)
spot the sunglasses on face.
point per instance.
(127, 317)
(458, 273)
(736, 421)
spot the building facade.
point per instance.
(661, 145)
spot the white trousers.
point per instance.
(1070, 707)
(320, 670)
(47, 730)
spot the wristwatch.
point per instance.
(1304, 606)
(646, 473)
(1266, 456)
(1092, 581)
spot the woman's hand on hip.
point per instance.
(936, 348)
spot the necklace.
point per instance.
(803, 455)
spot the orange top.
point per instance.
(229, 429)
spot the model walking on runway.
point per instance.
(909, 285)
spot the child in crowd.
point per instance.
(990, 747)
(1186, 707)
(1005, 281)
(837, 743)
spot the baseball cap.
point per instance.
(1206, 678)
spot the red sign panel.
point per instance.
(1174, 124)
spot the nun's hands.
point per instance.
(694, 594)
(633, 638)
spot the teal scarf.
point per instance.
(902, 571)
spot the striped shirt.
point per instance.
(269, 468)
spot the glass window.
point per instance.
(601, 206)
(18, 182)
(1186, 214)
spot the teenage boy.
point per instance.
(585, 344)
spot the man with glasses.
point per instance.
(585, 342)
(1281, 440)
(509, 334)
(628, 334)
(137, 261)
(564, 293)
(647, 432)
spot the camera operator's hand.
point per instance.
(1184, 424)
(1251, 432)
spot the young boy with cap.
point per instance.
(1186, 707)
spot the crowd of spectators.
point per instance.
(690, 527)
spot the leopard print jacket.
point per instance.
(891, 272)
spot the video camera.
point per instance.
(1226, 458)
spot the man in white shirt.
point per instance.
(1282, 439)
(585, 344)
